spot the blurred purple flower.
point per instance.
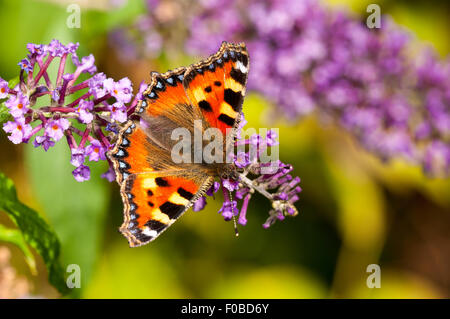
(306, 57)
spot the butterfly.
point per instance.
(155, 189)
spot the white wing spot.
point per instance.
(149, 232)
(241, 67)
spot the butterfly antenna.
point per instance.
(234, 218)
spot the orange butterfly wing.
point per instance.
(156, 191)
(217, 85)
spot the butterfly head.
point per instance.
(229, 171)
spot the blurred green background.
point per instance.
(354, 209)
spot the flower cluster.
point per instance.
(307, 58)
(101, 103)
(270, 179)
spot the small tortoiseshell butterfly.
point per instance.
(155, 190)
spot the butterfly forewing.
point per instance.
(217, 85)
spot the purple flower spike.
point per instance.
(19, 130)
(91, 105)
(82, 173)
(55, 129)
(96, 151)
(199, 204)
(45, 141)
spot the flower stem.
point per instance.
(250, 184)
(62, 65)
(43, 71)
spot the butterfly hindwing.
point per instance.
(155, 192)
(154, 201)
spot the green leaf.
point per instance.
(36, 232)
(14, 236)
(13, 82)
(4, 113)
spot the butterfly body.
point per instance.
(155, 189)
